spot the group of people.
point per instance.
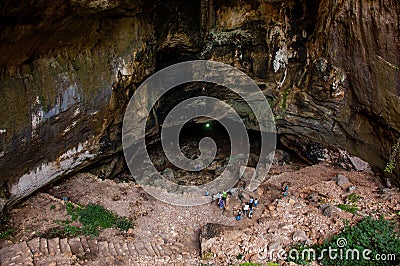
(247, 209)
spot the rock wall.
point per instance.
(64, 86)
(330, 70)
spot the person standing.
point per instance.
(255, 202)
(286, 190)
(251, 202)
(239, 215)
(246, 209)
(219, 195)
(222, 204)
(224, 197)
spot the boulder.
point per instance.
(274, 246)
(342, 181)
(300, 236)
(359, 164)
(329, 209)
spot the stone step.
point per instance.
(112, 249)
(43, 246)
(76, 245)
(149, 249)
(18, 254)
(155, 249)
(132, 249)
(159, 249)
(125, 249)
(85, 244)
(64, 247)
(42, 251)
(141, 250)
(54, 246)
(117, 248)
(93, 246)
(103, 248)
(34, 245)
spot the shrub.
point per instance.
(93, 217)
(96, 216)
(348, 208)
(379, 236)
(375, 237)
(123, 224)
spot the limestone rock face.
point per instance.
(330, 70)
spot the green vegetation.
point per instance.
(6, 233)
(123, 224)
(52, 207)
(250, 264)
(354, 198)
(284, 97)
(394, 157)
(348, 208)
(373, 237)
(379, 236)
(93, 218)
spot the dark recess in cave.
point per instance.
(172, 51)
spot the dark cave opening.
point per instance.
(189, 139)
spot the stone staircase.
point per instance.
(84, 250)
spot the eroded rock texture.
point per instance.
(330, 70)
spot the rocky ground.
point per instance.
(167, 234)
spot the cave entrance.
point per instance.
(199, 128)
(189, 138)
